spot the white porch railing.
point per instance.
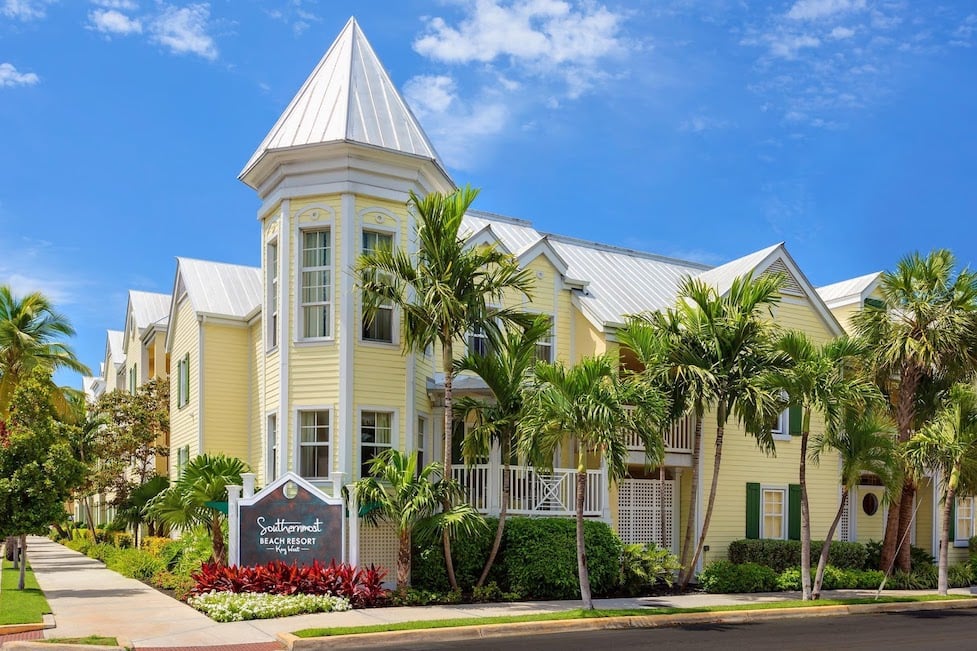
(678, 439)
(531, 491)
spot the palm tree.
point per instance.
(865, 444)
(506, 371)
(133, 510)
(398, 492)
(922, 332)
(947, 446)
(30, 336)
(185, 503)
(673, 357)
(818, 378)
(727, 348)
(443, 291)
(588, 407)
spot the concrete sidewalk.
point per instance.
(88, 599)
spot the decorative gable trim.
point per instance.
(780, 261)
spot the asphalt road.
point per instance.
(923, 630)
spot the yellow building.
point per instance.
(276, 365)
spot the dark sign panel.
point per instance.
(293, 525)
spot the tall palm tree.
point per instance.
(728, 348)
(922, 332)
(506, 371)
(674, 358)
(588, 407)
(31, 333)
(184, 504)
(947, 446)
(818, 378)
(865, 443)
(443, 291)
(411, 498)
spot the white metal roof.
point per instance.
(149, 308)
(722, 277)
(853, 287)
(114, 345)
(220, 289)
(348, 97)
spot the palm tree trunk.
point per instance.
(720, 431)
(447, 363)
(891, 536)
(499, 530)
(903, 558)
(89, 514)
(826, 547)
(943, 584)
(897, 525)
(582, 572)
(217, 535)
(686, 550)
(23, 562)
(805, 522)
(403, 561)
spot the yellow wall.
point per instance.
(226, 384)
(184, 421)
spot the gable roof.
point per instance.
(220, 289)
(148, 308)
(348, 97)
(722, 277)
(853, 290)
(114, 345)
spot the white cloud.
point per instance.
(700, 123)
(184, 30)
(787, 45)
(840, 33)
(295, 14)
(124, 5)
(458, 128)
(9, 77)
(25, 10)
(110, 21)
(818, 9)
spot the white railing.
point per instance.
(531, 491)
(677, 439)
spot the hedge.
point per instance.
(782, 554)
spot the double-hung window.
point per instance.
(182, 458)
(774, 505)
(380, 326)
(544, 347)
(316, 285)
(271, 433)
(271, 281)
(421, 434)
(376, 428)
(133, 379)
(479, 342)
(314, 444)
(963, 521)
(183, 381)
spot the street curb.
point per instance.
(12, 629)
(37, 645)
(488, 631)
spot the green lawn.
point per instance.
(20, 606)
(587, 614)
(96, 640)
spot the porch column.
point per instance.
(494, 480)
(352, 555)
(676, 511)
(233, 525)
(605, 492)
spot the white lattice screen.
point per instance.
(646, 511)
(378, 545)
(844, 529)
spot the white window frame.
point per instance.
(367, 409)
(303, 230)
(783, 511)
(392, 234)
(299, 445)
(183, 381)
(271, 447)
(471, 336)
(550, 341)
(964, 541)
(272, 272)
(422, 446)
(783, 424)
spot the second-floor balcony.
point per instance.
(678, 439)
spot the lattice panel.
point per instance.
(378, 545)
(844, 528)
(646, 510)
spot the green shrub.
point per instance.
(156, 545)
(102, 552)
(469, 554)
(180, 585)
(122, 540)
(645, 567)
(870, 579)
(492, 593)
(541, 557)
(134, 563)
(923, 577)
(193, 549)
(728, 577)
(960, 575)
(835, 578)
(918, 557)
(101, 535)
(789, 579)
(780, 555)
(78, 544)
(839, 579)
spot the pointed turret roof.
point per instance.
(348, 97)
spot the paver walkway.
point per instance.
(88, 599)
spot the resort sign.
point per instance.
(290, 520)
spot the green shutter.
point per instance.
(953, 524)
(752, 510)
(794, 512)
(875, 303)
(794, 419)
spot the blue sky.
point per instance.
(703, 129)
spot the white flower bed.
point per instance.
(237, 607)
